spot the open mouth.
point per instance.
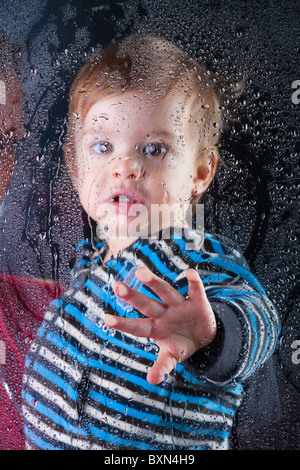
(125, 196)
(123, 199)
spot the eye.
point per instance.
(155, 149)
(103, 147)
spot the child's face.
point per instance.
(132, 156)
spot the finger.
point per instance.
(162, 367)
(196, 288)
(147, 306)
(141, 327)
(162, 288)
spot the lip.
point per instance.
(129, 199)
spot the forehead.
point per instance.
(136, 110)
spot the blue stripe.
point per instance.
(99, 291)
(133, 444)
(83, 262)
(91, 326)
(253, 323)
(268, 322)
(239, 270)
(235, 389)
(74, 353)
(229, 292)
(211, 278)
(51, 414)
(38, 441)
(127, 376)
(57, 303)
(255, 347)
(115, 439)
(217, 247)
(160, 266)
(122, 267)
(157, 420)
(224, 262)
(55, 379)
(106, 296)
(132, 378)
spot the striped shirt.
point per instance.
(85, 384)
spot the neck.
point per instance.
(116, 246)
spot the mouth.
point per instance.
(123, 200)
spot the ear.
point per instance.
(206, 165)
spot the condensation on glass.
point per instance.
(252, 200)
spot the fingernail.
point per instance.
(110, 320)
(121, 290)
(144, 275)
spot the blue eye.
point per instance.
(155, 149)
(103, 147)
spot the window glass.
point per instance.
(253, 49)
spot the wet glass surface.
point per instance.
(253, 200)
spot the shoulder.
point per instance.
(203, 245)
(221, 245)
(88, 253)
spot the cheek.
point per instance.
(86, 186)
(165, 182)
(159, 192)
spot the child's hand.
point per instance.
(180, 326)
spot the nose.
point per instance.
(127, 167)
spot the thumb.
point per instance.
(196, 287)
(162, 367)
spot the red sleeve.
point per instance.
(23, 302)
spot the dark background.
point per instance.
(254, 200)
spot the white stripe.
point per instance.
(94, 310)
(89, 303)
(176, 260)
(60, 363)
(97, 348)
(50, 396)
(53, 433)
(99, 272)
(139, 431)
(176, 411)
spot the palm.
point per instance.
(179, 325)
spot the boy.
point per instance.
(149, 347)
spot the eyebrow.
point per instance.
(93, 130)
(166, 134)
(154, 134)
